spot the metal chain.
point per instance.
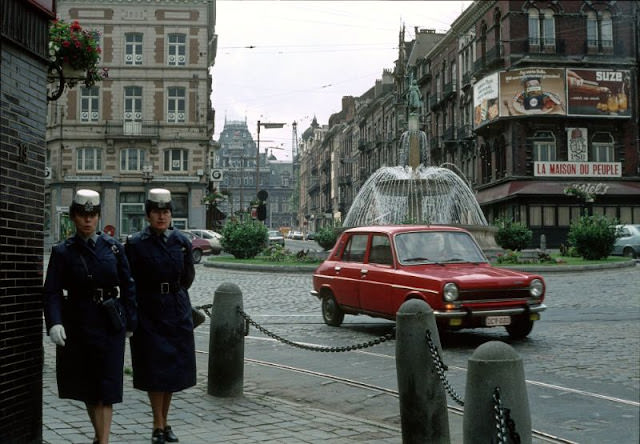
(204, 308)
(387, 337)
(503, 420)
(441, 368)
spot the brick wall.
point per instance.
(23, 108)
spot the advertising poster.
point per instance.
(601, 92)
(577, 144)
(485, 100)
(532, 91)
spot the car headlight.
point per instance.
(450, 292)
(536, 288)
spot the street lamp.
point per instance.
(266, 125)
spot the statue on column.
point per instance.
(414, 100)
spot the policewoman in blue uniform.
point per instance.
(86, 273)
(163, 348)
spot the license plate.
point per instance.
(496, 321)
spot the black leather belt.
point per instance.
(161, 287)
(100, 294)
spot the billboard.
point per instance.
(485, 100)
(598, 92)
(532, 91)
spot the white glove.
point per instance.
(129, 334)
(57, 335)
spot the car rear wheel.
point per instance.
(197, 255)
(519, 328)
(628, 252)
(331, 312)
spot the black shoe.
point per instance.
(169, 436)
(157, 437)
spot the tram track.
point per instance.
(540, 435)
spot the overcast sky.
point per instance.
(285, 61)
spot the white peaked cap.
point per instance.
(159, 196)
(87, 198)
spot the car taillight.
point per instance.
(450, 292)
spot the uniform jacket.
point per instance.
(163, 347)
(89, 367)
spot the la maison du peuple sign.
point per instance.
(577, 169)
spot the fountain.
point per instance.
(415, 193)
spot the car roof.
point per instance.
(395, 229)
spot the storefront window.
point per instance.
(549, 216)
(535, 216)
(564, 217)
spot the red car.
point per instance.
(373, 270)
(199, 246)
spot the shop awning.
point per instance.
(525, 187)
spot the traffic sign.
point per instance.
(216, 175)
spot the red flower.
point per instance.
(75, 26)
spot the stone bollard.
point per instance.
(494, 364)
(543, 243)
(423, 402)
(226, 343)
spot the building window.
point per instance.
(542, 29)
(177, 50)
(175, 104)
(602, 149)
(176, 160)
(599, 30)
(133, 48)
(133, 103)
(131, 159)
(89, 159)
(89, 104)
(544, 146)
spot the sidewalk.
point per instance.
(197, 417)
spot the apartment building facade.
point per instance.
(535, 103)
(148, 124)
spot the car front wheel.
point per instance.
(197, 255)
(519, 328)
(628, 252)
(331, 312)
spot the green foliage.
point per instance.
(326, 237)
(277, 253)
(510, 257)
(244, 239)
(512, 235)
(592, 237)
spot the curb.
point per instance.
(569, 268)
(265, 268)
(525, 268)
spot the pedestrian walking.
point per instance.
(89, 309)
(163, 348)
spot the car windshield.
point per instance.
(274, 233)
(422, 247)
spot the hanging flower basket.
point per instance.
(75, 54)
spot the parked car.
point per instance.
(311, 235)
(214, 239)
(275, 237)
(373, 270)
(628, 241)
(297, 235)
(199, 246)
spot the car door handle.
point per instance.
(337, 269)
(364, 271)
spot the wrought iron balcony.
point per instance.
(132, 129)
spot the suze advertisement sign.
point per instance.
(596, 93)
